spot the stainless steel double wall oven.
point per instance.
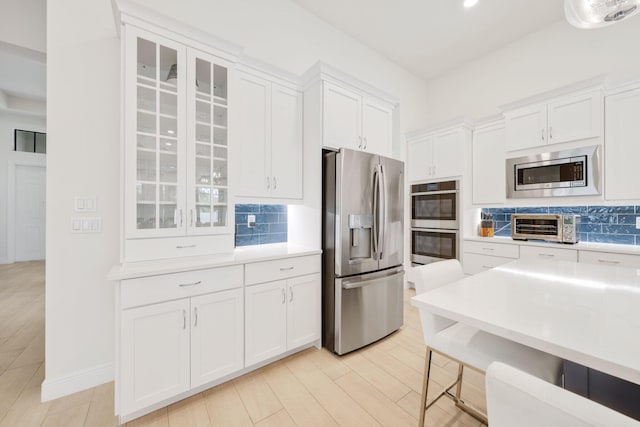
(435, 222)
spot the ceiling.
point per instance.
(430, 37)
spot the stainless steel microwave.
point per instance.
(575, 172)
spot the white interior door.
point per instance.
(29, 203)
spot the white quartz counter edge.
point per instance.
(583, 246)
(241, 255)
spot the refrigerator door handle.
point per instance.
(376, 186)
(383, 212)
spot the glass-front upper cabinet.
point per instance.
(155, 136)
(207, 156)
(176, 144)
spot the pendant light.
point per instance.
(599, 13)
(173, 74)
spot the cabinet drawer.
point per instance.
(608, 258)
(533, 252)
(165, 287)
(489, 248)
(476, 263)
(268, 271)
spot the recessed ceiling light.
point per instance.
(470, 3)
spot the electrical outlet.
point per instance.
(251, 221)
(638, 222)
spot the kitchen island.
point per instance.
(584, 313)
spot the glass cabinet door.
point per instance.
(208, 188)
(155, 87)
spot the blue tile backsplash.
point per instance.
(271, 224)
(603, 224)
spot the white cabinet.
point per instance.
(269, 138)
(351, 119)
(622, 149)
(170, 347)
(436, 156)
(483, 256)
(155, 354)
(281, 316)
(526, 127)
(609, 258)
(540, 252)
(565, 119)
(176, 181)
(488, 164)
(216, 336)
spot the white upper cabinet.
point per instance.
(437, 155)
(526, 127)
(342, 118)
(355, 120)
(488, 164)
(575, 117)
(269, 138)
(419, 154)
(564, 119)
(176, 182)
(622, 147)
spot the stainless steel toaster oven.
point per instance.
(564, 228)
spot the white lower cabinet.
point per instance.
(171, 347)
(155, 353)
(609, 258)
(483, 256)
(538, 252)
(281, 316)
(216, 336)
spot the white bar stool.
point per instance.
(468, 346)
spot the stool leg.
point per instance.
(425, 385)
(459, 386)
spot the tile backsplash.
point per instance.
(271, 224)
(604, 224)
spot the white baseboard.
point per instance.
(4, 260)
(78, 381)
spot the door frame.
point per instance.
(37, 161)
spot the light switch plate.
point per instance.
(251, 221)
(638, 222)
(86, 224)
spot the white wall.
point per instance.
(23, 23)
(9, 122)
(550, 58)
(83, 135)
(83, 159)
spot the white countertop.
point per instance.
(585, 246)
(586, 313)
(241, 255)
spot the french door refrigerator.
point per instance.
(363, 276)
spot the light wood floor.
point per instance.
(378, 385)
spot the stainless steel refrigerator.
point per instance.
(363, 276)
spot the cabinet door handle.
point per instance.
(488, 249)
(360, 142)
(542, 134)
(286, 268)
(284, 296)
(275, 183)
(184, 319)
(546, 255)
(268, 183)
(365, 142)
(185, 246)
(550, 132)
(488, 267)
(182, 285)
(195, 314)
(180, 217)
(290, 294)
(609, 261)
(191, 215)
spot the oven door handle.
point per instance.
(437, 230)
(430, 193)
